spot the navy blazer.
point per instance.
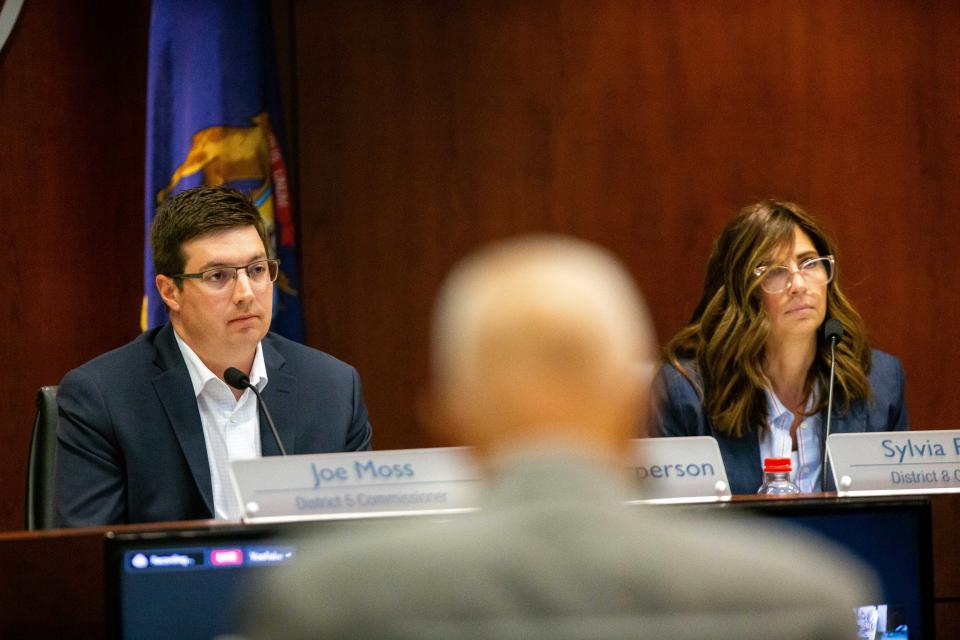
(679, 412)
(130, 441)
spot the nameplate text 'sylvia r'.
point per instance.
(895, 462)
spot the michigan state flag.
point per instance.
(213, 118)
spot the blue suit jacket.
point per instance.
(679, 412)
(130, 441)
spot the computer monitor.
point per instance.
(188, 584)
(890, 535)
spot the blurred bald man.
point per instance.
(541, 360)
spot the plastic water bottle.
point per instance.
(776, 478)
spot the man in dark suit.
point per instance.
(147, 432)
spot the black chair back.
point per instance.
(41, 513)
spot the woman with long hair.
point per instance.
(752, 368)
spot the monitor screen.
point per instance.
(893, 537)
(187, 584)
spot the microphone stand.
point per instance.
(239, 380)
(833, 362)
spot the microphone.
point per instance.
(239, 380)
(832, 331)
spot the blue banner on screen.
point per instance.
(213, 118)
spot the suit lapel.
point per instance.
(851, 422)
(280, 396)
(175, 391)
(741, 458)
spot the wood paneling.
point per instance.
(945, 514)
(54, 584)
(72, 100)
(422, 129)
(427, 128)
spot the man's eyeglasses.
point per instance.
(260, 273)
(777, 278)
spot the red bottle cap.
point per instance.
(776, 465)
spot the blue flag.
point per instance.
(213, 118)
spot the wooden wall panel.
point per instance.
(421, 129)
(72, 100)
(427, 128)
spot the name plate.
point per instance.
(687, 469)
(895, 462)
(342, 485)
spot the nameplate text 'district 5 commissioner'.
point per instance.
(336, 485)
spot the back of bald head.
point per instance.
(541, 337)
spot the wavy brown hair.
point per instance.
(726, 338)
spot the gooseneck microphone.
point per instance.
(832, 331)
(239, 380)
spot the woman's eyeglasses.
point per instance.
(777, 278)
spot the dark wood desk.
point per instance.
(52, 583)
(946, 564)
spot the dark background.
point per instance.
(418, 130)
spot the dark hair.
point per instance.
(726, 337)
(195, 212)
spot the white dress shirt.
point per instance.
(776, 442)
(231, 427)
